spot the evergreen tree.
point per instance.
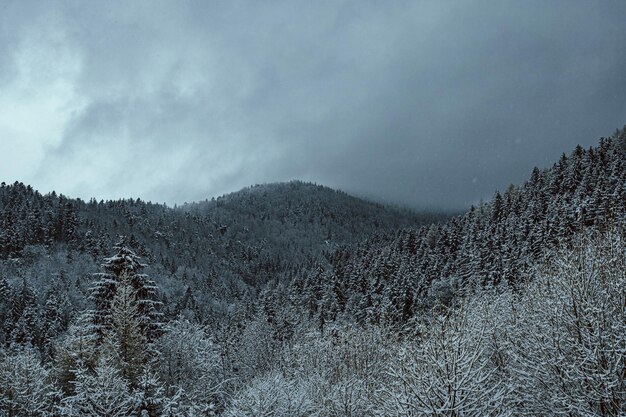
(5, 292)
(125, 265)
(51, 325)
(124, 341)
(26, 388)
(99, 393)
(150, 397)
(76, 350)
(25, 331)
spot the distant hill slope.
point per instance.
(217, 249)
(394, 278)
(303, 217)
(298, 217)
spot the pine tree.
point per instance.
(125, 265)
(101, 393)
(76, 350)
(25, 331)
(70, 223)
(124, 341)
(51, 325)
(150, 395)
(5, 291)
(26, 388)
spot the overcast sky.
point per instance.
(430, 104)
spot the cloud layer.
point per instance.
(431, 104)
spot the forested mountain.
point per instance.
(255, 221)
(298, 300)
(393, 278)
(207, 254)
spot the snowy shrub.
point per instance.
(569, 349)
(188, 360)
(449, 373)
(271, 395)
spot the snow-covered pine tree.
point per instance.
(125, 264)
(101, 393)
(124, 341)
(24, 331)
(76, 350)
(5, 291)
(51, 325)
(26, 388)
(149, 398)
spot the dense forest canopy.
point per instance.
(296, 299)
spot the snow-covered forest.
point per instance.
(294, 299)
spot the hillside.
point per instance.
(397, 277)
(217, 250)
(295, 299)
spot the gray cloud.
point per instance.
(431, 104)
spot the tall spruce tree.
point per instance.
(124, 341)
(125, 265)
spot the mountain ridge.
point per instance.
(230, 245)
(396, 277)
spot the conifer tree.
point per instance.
(124, 341)
(125, 265)
(5, 291)
(101, 393)
(51, 324)
(77, 350)
(150, 395)
(26, 388)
